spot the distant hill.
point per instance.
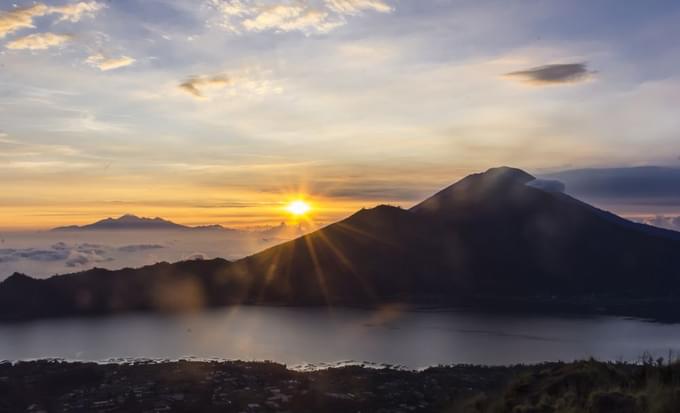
(489, 241)
(130, 222)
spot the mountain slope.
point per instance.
(487, 238)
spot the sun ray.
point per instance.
(318, 271)
(347, 263)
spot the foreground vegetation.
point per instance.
(188, 386)
(651, 386)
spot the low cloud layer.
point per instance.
(46, 253)
(663, 221)
(72, 255)
(38, 41)
(552, 74)
(548, 185)
(11, 254)
(140, 247)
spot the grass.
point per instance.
(651, 386)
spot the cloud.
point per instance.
(4, 138)
(32, 254)
(548, 185)
(76, 11)
(552, 74)
(77, 261)
(246, 82)
(371, 191)
(104, 64)
(357, 6)
(92, 249)
(22, 18)
(140, 247)
(195, 85)
(60, 246)
(663, 221)
(288, 17)
(17, 19)
(72, 255)
(248, 15)
(38, 41)
(645, 184)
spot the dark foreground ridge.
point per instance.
(493, 241)
(588, 387)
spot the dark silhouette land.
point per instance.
(490, 241)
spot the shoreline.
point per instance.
(237, 386)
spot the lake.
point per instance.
(316, 337)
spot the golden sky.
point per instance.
(220, 111)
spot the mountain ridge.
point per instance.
(134, 222)
(489, 240)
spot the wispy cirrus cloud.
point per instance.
(104, 63)
(39, 41)
(22, 18)
(302, 16)
(553, 74)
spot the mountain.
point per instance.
(490, 241)
(130, 222)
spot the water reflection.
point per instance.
(310, 336)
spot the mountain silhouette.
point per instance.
(490, 241)
(129, 222)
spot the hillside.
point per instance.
(488, 241)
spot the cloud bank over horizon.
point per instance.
(46, 253)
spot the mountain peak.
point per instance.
(131, 222)
(17, 278)
(507, 174)
(126, 222)
(477, 188)
(127, 217)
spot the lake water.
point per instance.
(299, 336)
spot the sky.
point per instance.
(222, 111)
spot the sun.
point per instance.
(298, 207)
